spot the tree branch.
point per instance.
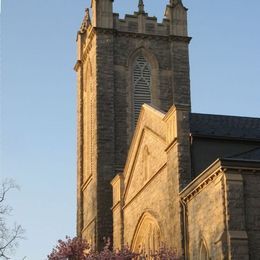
(8, 237)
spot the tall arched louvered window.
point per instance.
(142, 84)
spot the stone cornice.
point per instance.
(220, 166)
(198, 185)
(92, 31)
(240, 164)
(115, 32)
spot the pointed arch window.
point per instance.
(147, 236)
(142, 79)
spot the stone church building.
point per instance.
(150, 170)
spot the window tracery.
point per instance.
(148, 236)
(142, 80)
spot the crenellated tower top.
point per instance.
(102, 16)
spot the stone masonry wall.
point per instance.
(236, 221)
(243, 209)
(252, 207)
(105, 133)
(222, 212)
(170, 87)
(156, 203)
(206, 221)
(87, 178)
(178, 166)
(125, 45)
(109, 43)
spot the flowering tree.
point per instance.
(80, 249)
(74, 248)
(165, 253)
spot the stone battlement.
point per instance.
(141, 23)
(174, 23)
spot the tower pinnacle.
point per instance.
(102, 13)
(141, 7)
(86, 22)
(175, 2)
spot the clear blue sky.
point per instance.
(38, 96)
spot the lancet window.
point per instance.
(142, 80)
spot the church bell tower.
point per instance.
(121, 64)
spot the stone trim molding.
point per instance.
(143, 35)
(88, 225)
(130, 165)
(219, 167)
(87, 182)
(143, 188)
(148, 216)
(92, 31)
(139, 132)
(200, 186)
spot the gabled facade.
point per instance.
(146, 195)
(216, 214)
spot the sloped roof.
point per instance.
(253, 154)
(225, 126)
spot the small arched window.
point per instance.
(142, 80)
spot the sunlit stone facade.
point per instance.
(157, 173)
